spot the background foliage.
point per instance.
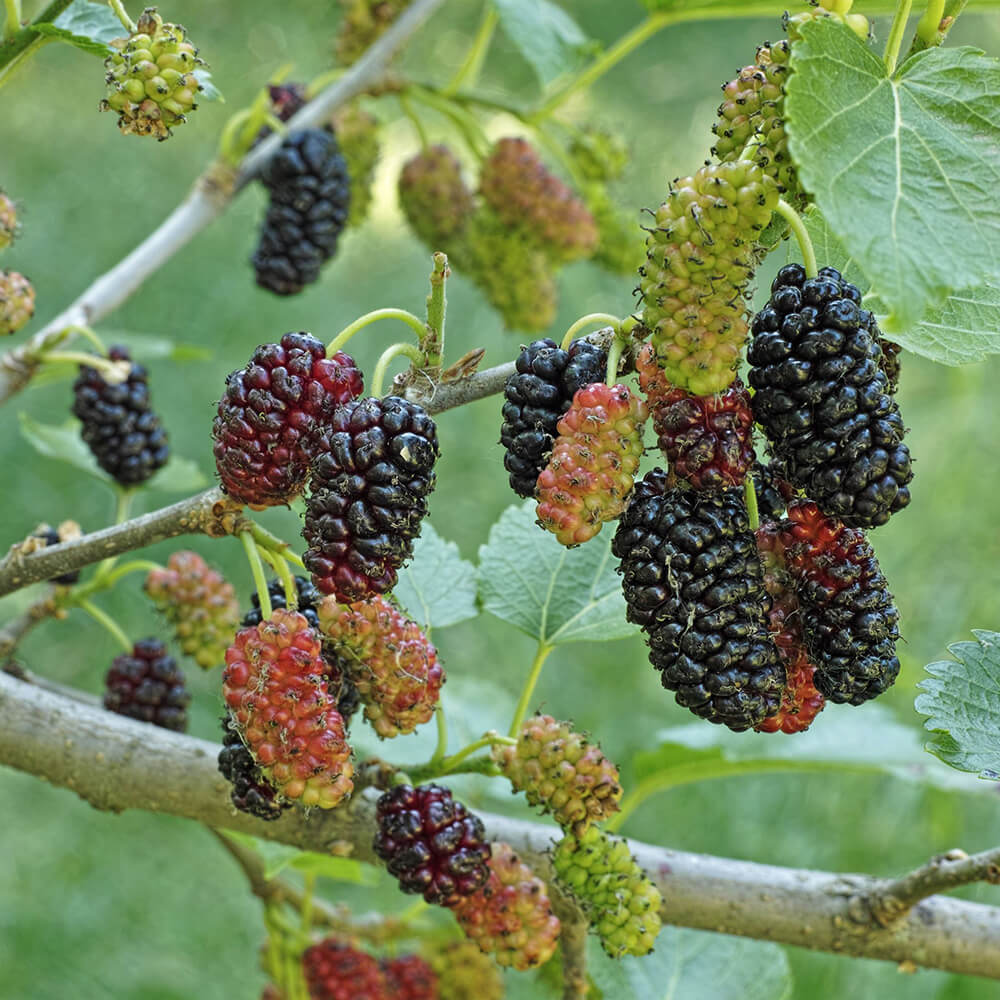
(142, 906)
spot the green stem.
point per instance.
(541, 654)
(428, 772)
(465, 122)
(374, 316)
(123, 504)
(689, 774)
(232, 136)
(798, 227)
(127, 23)
(281, 570)
(615, 351)
(13, 23)
(257, 569)
(469, 71)
(85, 331)
(606, 319)
(405, 348)
(406, 105)
(929, 26)
(750, 493)
(896, 32)
(951, 12)
(108, 579)
(17, 46)
(432, 342)
(267, 540)
(107, 621)
(109, 369)
(306, 912)
(442, 738)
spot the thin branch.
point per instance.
(116, 763)
(16, 629)
(210, 195)
(946, 871)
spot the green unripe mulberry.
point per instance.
(151, 77)
(621, 903)
(434, 197)
(17, 301)
(357, 135)
(8, 221)
(699, 261)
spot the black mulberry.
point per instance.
(251, 792)
(147, 685)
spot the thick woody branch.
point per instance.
(115, 764)
(211, 194)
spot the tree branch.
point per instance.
(116, 763)
(16, 629)
(210, 195)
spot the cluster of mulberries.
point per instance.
(200, 604)
(510, 917)
(310, 194)
(275, 688)
(335, 969)
(147, 685)
(621, 903)
(269, 419)
(389, 660)
(118, 424)
(368, 495)
(431, 843)
(560, 770)
(464, 972)
(17, 294)
(151, 79)
(251, 792)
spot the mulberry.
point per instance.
(151, 76)
(310, 199)
(274, 686)
(692, 578)
(622, 904)
(593, 462)
(409, 977)
(147, 685)
(527, 197)
(848, 617)
(434, 198)
(389, 660)
(8, 221)
(431, 843)
(368, 495)
(123, 432)
(67, 530)
(17, 301)
(700, 259)
(199, 602)
(773, 493)
(336, 971)
(267, 427)
(362, 24)
(536, 396)
(823, 401)
(559, 770)
(251, 793)
(465, 973)
(510, 917)
(357, 133)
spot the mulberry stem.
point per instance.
(13, 22)
(378, 376)
(896, 32)
(406, 106)
(798, 227)
(108, 622)
(750, 492)
(432, 341)
(615, 350)
(111, 371)
(278, 563)
(606, 318)
(127, 23)
(266, 540)
(474, 58)
(928, 29)
(521, 711)
(91, 335)
(257, 569)
(442, 737)
(373, 317)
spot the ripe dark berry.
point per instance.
(368, 495)
(823, 401)
(122, 431)
(338, 679)
(336, 971)
(849, 619)
(409, 977)
(431, 843)
(773, 493)
(147, 685)
(310, 200)
(536, 396)
(693, 580)
(268, 421)
(251, 792)
(594, 458)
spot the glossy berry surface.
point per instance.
(251, 792)
(147, 685)
(336, 971)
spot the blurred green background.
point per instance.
(141, 906)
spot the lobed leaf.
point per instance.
(88, 26)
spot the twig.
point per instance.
(116, 763)
(946, 871)
(16, 629)
(210, 195)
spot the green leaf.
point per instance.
(179, 475)
(962, 700)
(544, 34)
(964, 329)
(859, 740)
(905, 170)
(63, 443)
(438, 587)
(555, 594)
(276, 857)
(209, 91)
(88, 26)
(694, 965)
(696, 9)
